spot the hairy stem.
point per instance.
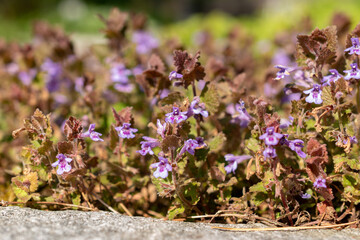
(194, 88)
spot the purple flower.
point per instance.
(125, 131)
(161, 128)
(95, 136)
(175, 116)
(12, 68)
(174, 75)
(201, 84)
(145, 42)
(120, 76)
(269, 152)
(352, 140)
(126, 88)
(302, 78)
(163, 167)
(200, 142)
(197, 108)
(241, 116)
(137, 70)
(27, 77)
(353, 72)
(119, 73)
(314, 94)
(189, 146)
(296, 145)
(355, 48)
(284, 71)
(163, 93)
(305, 195)
(271, 137)
(270, 91)
(62, 163)
(285, 123)
(234, 161)
(320, 183)
(284, 140)
(281, 57)
(148, 145)
(333, 77)
(54, 72)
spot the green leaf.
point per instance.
(175, 211)
(191, 191)
(252, 144)
(21, 194)
(217, 142)
(76, 199)
(211, 98)
(348, 180)
(327, 96)
(259, 187)
(172, 98)
(259, 198)
(41, 171)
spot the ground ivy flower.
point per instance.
(162, 168)
(320, 183)
(175, 116)
(352, 140)
(161, 128)
(26, 77)
(285, 123)
(333, 77)
(284, 71)
(297, 145)
(353, 72)
(189, 146)
(12, 68)
(314, 94)
(197, 108)
(126, 131)
(240, 114)
(271, 137)
(54, 72)
(148, 145)
(234, 161)
(145, 42)
(305, 195)
(355, 48)
(62, 163)
(200, 142)
(269, 152)
(119, 74)
(95, 136)
(174, 75)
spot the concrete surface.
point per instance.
(24, 223)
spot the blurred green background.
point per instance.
(261, 18)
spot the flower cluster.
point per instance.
(120, 76)
(125, 131)
(62, 163)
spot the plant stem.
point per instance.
(299, 122)
(283, 199)
(340, 122)
(358, 97)
(178, 190)
(194, 89)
